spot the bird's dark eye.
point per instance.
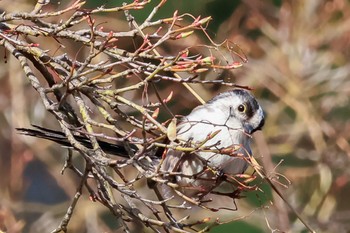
(242, 108)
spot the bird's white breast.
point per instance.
(195, 128)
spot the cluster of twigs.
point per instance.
(88, 93)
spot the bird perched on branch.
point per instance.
(219, 131)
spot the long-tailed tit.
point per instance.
(231, 117)
(220, 130)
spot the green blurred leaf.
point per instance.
(237, 227)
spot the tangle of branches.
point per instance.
(90, 91)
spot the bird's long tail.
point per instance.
(61, 139)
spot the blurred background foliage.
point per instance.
(299, 69)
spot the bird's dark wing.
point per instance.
(61, 139)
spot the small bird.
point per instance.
(232, 117)
(220, 130)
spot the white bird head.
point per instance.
(240, 109)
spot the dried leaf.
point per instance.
(171, 131)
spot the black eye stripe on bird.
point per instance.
(231, 130)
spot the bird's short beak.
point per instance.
(250, 130)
